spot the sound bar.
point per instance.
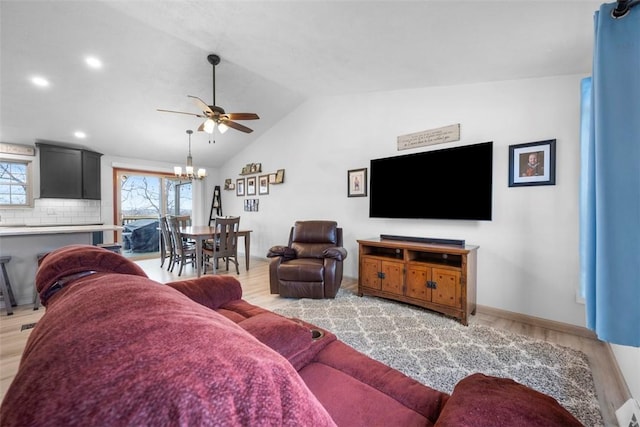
(431, 240)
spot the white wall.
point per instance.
(528, 258)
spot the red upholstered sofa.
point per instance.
(115, 348)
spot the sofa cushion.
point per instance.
(211, 291)
(408, 392)
(481, 400)
(354, 403)
(315, 232)
(302, 270)
(292, 339)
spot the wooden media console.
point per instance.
(441, 278)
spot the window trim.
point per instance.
(29, 201)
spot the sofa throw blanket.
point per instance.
(119, 349)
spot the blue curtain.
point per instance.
(610, 180)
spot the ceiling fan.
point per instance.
(214, 115)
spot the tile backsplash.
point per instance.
(53, 212)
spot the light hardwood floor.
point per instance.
(611, 390)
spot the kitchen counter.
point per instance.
(55, 229)
(24, 243)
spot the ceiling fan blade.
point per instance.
(201, 104)
(242, 116)
(182, 112)
(236, 126)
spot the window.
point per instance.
(15, 183)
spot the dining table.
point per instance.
(202, 233)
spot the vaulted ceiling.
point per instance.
(274, 56)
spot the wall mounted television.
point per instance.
(452, 183)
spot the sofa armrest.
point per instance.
(210, 291)
(281, 251)
(337, 253)
(485, 400)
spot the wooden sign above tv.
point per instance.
(429, 137)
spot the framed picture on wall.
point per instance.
(263, 184)
(251, 186)
(357, 182)
(533, 163)
(240, 187)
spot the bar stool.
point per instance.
(5, 286)
(36, 296)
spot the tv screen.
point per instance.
(452, 183)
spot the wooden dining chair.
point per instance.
(185, 252)
(224, 245)
(166, 247)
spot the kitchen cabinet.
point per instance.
(69, 173)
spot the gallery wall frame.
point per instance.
(263, 185)
(532, 163)
(357, 182)
(251, 205)
(251, 186)
(240, 187)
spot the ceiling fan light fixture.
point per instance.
(209, 126)
(215, 115)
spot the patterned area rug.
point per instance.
(438, 351)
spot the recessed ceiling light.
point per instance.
(40, 81)
(93, 62)
(79, 134)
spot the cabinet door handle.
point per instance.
(431, 284)
(380, 275)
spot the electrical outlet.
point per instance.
(628, 415)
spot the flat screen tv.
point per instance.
(452, 183)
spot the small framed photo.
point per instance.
(533, 163)
(357, 182)
(251, 186)
(272, 178)
(251, 205)
(240, 187)
(263, 185)
(279, 176)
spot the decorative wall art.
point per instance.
(429, 137)
(357, 182)
(533, 163)
(251, 205)
(263, 185)
(251, 186)
(279, 176)
(228, 185)
(240, 187)
(250, 168)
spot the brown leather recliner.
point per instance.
(310, 266)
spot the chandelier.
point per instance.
(189, 171)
